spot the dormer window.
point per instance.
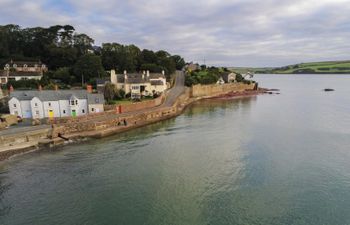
(7, 66)
(14, 66)
(76, 102)
(72, 102)
(43, 66)
(25, 66)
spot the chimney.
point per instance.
(40, 88)
(163, 72)
(125, 76)
(56, 87)
(113, 77)
(147, 73)
(89, 88)
(11, 89)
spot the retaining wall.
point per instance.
(217, 89)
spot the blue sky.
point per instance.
(225, 33)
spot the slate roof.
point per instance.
(136, 78)
(53, 95)
(3, 73)
(28, 63)
(225, 75)
(95, 99)
(157, 82)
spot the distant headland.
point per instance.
(326, 67)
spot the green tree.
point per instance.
(109, 92)
(89, 66)
(179, 62)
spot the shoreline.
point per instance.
(98, 134)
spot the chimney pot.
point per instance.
(89, 88)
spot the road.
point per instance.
(176, 91)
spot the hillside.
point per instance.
(330, 67)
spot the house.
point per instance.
(227, 77)
(17, 70)
(140, 84)
(39, 104)
(192, 67)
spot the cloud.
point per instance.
(238, 32)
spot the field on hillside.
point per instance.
(302, 68)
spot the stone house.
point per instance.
(227, 77)
(192, 67)
(38, 104)
(22, 70)
(140, 84)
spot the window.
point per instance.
(49, 103)
(97, 100)
(76, 102)
(64, 111)
(16, 113)
(35, 104)
(14, 105)
(37, 112)
(92, 109)
(83, 110)
(72, 102)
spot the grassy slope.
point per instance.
(313, 67)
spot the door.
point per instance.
(51, 115)
(74, 113)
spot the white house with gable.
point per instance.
(54, 103)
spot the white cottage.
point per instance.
(140, 84)
(54, 103)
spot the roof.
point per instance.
(22, 63)
(3, 73)
(95, 99)
(136, 78)
(102, 81)
(225, 76)
(53, 95)
(157, 82)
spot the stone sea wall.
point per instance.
(137, 105)
(216, 89)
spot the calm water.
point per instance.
(272, 159)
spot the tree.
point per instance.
(109, 92)
(89, 66)
(179, 62)
(64, 75)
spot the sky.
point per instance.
(255, 33)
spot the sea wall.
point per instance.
(110, 110)
(217, 89)
(12, 139)
(136, 106)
